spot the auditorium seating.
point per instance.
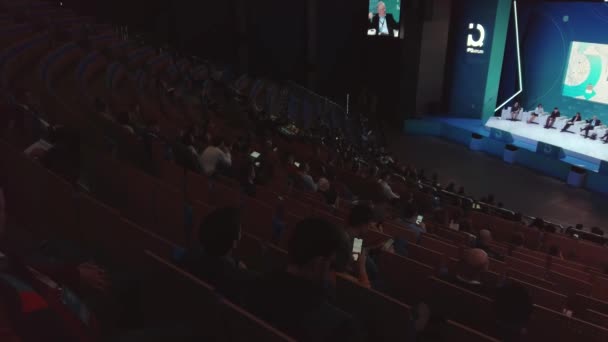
(131, 210)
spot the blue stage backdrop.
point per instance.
(478, 35)
(547, 30)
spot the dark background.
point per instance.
(319, 44)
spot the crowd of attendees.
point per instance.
(299, 298)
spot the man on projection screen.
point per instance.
(383, 23)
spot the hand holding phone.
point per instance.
(419, 219)
(357, 248)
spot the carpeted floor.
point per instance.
(520, 189)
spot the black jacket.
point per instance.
(390, 23)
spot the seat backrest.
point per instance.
(240, 325)
(596, 318)
(172, 295)
(257, 218)
(453, 302)
(579, 303)
(399, 232)
(570, 285)
(406, 279)
(600, 288)
(385, 318)
(550, 325)
(525, 267)
(543, 297)
(426, 256)
(454, 331)
(446, 249)
(540, 282)
(528, 258)
(570, 272)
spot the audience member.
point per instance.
(473, 263)
(483, 242)
(215, 157)
(304, 180)
(387, 191)
(213, 261)
(597, 231)
(328, 192)
(295, 300)
(413, 221)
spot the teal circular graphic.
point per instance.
(586, 86)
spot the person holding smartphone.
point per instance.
(413, 220)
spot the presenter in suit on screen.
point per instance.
(384, 23)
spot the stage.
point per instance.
(531, 145)
(586, 153)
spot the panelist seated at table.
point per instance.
(383, 23)
(604, 138)
(515, 111)
(576, 118)
(536, 113)
(591, 124)
(552, 117)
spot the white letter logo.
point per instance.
(473, 44)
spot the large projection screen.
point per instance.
(587, 72)
(384, 18)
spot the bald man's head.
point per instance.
(475, 261)
(485, 236)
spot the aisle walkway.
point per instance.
(518, 188)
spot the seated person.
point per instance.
(591, 124)
(387, 191)
(515, 111)
(384, 23)
(296, 300)
(304, 180)
(328, 192)
(604, 138)
(216, 156)
(361, 219)
(536, 113)
(468, 275)
(552, 117)
(410, 218)
(483, 242)
(576, 118)
(213, 261)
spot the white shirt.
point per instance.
(539, 110)
(387, 191)
(211, 157)
(382, 25)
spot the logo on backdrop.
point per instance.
(475, 45)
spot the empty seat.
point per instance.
(383, 317)
(550, 325)
(596, 318)
(453, 331)
(406, 279)
(543, 297)
(439, 246)
(453, 302)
